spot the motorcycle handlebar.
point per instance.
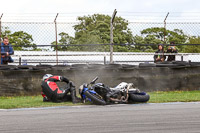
(94, 80)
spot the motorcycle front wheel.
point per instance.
(95, 98)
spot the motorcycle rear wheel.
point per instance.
(139, 97)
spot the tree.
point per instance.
(176, 35)
(155, 35)
(141, 48)
(95, 29)
(5, 32)
(20, 40)
(193, 48)
(65, 40)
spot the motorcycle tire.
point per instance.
(95, 99)
(139, 97)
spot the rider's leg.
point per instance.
(45, 99)
(75, 99)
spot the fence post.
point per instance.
(165, 26)
(111, 35)
(104, 59)
(56, 39)
(0, 35)
(181, 57)
(20, 60)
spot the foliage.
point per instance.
(95, 29)
(65, 40)
(146, 40)
(158, 35)
(20, 40)
(193, 48)
(5, 31)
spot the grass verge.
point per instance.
(155, 97)
(174, 96)
(29, 102)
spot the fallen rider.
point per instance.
(51, 91)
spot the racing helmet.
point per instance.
(46, 76)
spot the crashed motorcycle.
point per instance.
(101, 94)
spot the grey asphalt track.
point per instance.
(134, 118)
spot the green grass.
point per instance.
(28, 102)
(174, 96)
(155, 97)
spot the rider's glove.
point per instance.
(64, 79)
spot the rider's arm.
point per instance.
(64, 79)
(58, 78)
(55, 78)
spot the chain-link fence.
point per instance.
(34, 39)
(74, 57)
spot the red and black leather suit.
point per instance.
(51, 90)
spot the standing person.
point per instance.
(6, 51)
(51, 91)
(171, 49)
(160, 54)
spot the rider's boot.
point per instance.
(75, 99)
(45, 99)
